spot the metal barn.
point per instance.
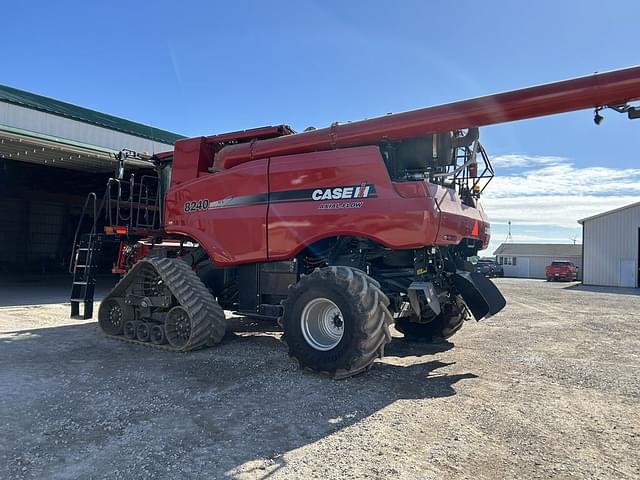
(611, 247)
(52, 154)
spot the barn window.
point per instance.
(508, 261)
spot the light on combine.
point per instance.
(597, 118)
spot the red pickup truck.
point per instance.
(561, 271)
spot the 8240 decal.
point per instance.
(196, 205)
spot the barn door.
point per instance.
(523, 267)
(627, 273)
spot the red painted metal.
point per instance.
(230, 234)
(402, 215)
(192, 157)
(599, 89)
(260, 133)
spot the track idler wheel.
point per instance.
(142, 331)
(113, 315)
(157, 335)
(131, 329)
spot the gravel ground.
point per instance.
(548, 388)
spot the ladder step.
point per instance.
(80, 283)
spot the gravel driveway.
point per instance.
(548, 388)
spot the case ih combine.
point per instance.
(338, 233)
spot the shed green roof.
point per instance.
(81, 114)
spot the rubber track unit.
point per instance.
(208, 320)
(368, 299)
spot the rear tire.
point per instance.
(336, 321)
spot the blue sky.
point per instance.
(205, 67)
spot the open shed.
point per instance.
(52, 154)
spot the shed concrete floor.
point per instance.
(548, 388)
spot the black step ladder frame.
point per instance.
(140, 215)
(84, 281)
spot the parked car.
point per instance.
(566, 271)
(489, 268)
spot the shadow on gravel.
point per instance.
(45, 289)
(594, 289)
(67, 392)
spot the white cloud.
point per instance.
(510, 161)
(550, 190)
(560, 210)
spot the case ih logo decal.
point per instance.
(344, 193)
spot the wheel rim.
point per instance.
(112, 320)
(178, 327)
(322, 324)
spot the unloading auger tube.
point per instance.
(162, 303)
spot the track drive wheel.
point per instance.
(441, 327)
(336, 321)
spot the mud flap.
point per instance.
(479, 293)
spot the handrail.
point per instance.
(145, 193)
(93, 226)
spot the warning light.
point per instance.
(476, 229)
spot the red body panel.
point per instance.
(236, 230)
(230, 233)
(193, 157)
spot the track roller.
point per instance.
(142, 331)
(157, 335)
(131, 329)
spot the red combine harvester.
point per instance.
(337, 233)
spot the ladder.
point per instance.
(84, 275)
(125, 204)
(83, 264)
